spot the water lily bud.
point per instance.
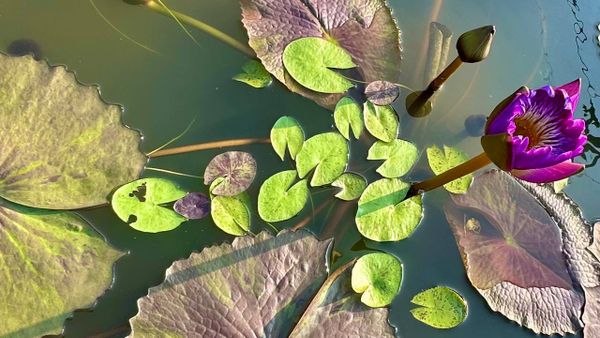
(474, 46)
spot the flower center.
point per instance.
(528, 128)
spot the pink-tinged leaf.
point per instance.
(382, 93)
(366, 29)
(237, 170)
(194, 205)
(591, 313)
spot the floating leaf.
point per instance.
(257, 286)
(381, 121)
(377, 277)
(368, 32)
(53, 263)
(347, 115)
(237, 169)
(399, 157)
(327, 154)
(559, 186)
(194, 205)
(352, 186)
(441, 161)
(62, 146)
(382, 93)
(232, 214)
(287, 133)
(254, 75)
(309, 62)
(139, 204)
(279, 200)
(441, 308)
(384, 215)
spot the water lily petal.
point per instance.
(501, 119)
(549, 174)
(572, 89)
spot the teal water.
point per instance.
(537, 42)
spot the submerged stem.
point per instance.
(207, 146)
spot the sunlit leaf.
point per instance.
(347, 116)
(62, 146)
(236, 168)
(441, 308)
(231, 213)
(194, 205)
(254, 75)
(384, 215)
(381, 121)
(139, 203)
(352, 186)
(559, 186)
(310, 62)
(287, 134)
(382, 93)
(399, 157)
(377, 277)
(53, 263)
(441, 161)
(327, 154)
(257, 286)
(279, 199)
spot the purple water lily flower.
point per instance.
(533, 134)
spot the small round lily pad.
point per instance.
(279, 199)
(237, 169)
(352, 186)
(441, 308)
(382, 93)
(378, 276)
(194, 205)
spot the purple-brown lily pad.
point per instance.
(382, 93)
(261, 286)
(236, 169)
(366, 30)
(194, 205)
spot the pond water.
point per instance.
(537, 42)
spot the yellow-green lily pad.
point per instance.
(279, 199)
(352, 186)
(378, 276)
(443, 160)
(399, 157)
(441, 308)
(347, 116)
(287, 134)
(381, 121)
(327, 154)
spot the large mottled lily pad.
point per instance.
(258, 287)
(366, 30)
(62, 146)
(327, 154)
(52, 264)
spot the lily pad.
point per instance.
(254, 75)
(352, 186)
(441, 161)
(347, 116)
(232, 214)
(382, 93)
(53, 263)
(381, 121)
(399, 157)
(139, 204)
(383, 213)
(327, 154)
(441, 308)
(257, 286)
(287, 133)
(279, 199)
(62, 146)
(236, 168)
(194, 205)
(378, 277)
(310, 61)
(367, 32)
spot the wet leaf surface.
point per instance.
(378, 277)
(381, 122)
(444, 160)
(194, 205)
(62, 146)
(287, 134)
(279, 199)
(254, 75)
(327, 154)
(139, 203)
(441, 307)
(53, 263)
(382, 93)
(352, 186)
(232, 214)
(237, 170)
(347, 117)
(399, 157)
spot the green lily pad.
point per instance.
(53, 263)
(62, 146)
(441, 308)
(383, 214)
(232, 214)
(236, 171)
(287, 133)
(279, 200)
(441, 161)
(399, 157)
(381, 121)
(347, 115)
(139, 204)
(254, 75)
(309, 62)
(327, 154)
(378, 276)
(352, 186)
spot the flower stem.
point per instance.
(457, 172)
(208, 29)
(207, 146)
